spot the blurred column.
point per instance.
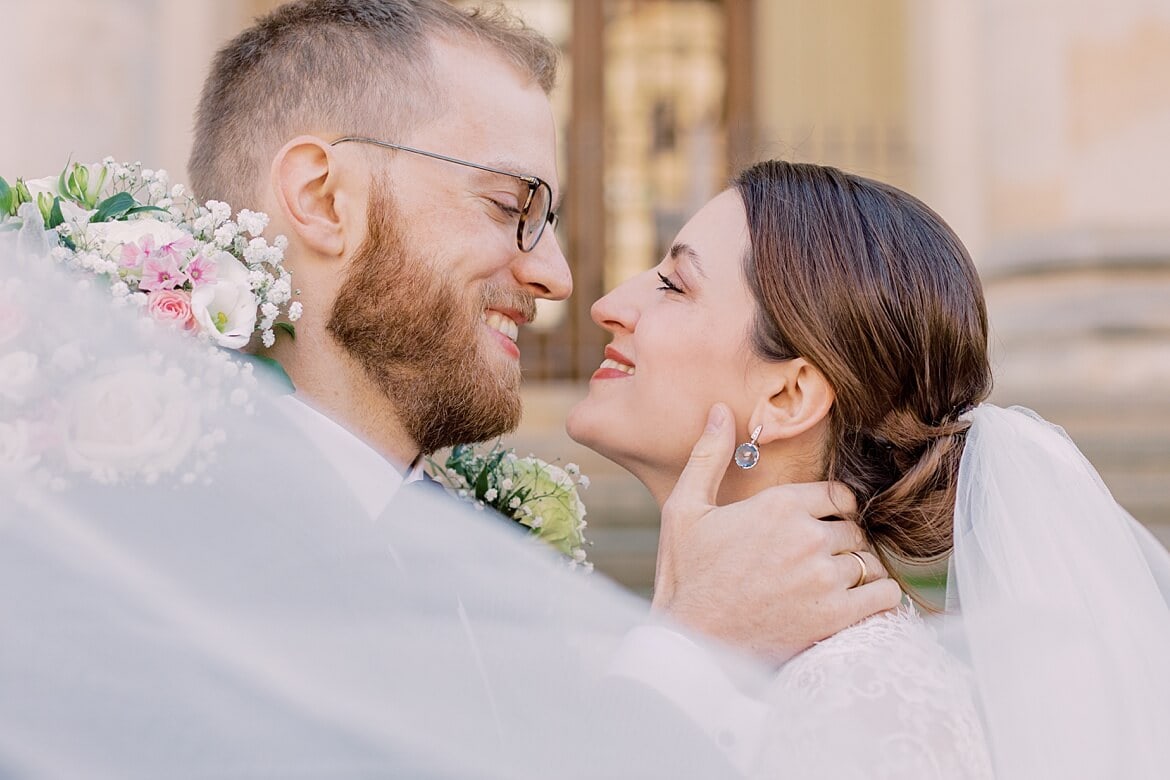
(585, 209)
(119, 77)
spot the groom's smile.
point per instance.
(505, 328)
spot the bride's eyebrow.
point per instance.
(687, 252)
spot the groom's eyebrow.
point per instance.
(688, 252)
(504, 164)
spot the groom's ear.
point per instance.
(800, 400)
(310, 194)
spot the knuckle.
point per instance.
(890, 592)
(824, 573)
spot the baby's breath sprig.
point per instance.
(539, 495)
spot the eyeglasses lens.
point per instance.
(535, 216)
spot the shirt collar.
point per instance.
(372, 479)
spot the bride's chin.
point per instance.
(578, 428)
(586, 425)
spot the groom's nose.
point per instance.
(544, 271)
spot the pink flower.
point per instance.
(135, 254)
(178, 247)
(201, 271)
(161, 273)
(172, 306)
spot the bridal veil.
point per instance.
(187, 588)
(1061, 600)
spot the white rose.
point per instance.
(18, 370)
(226, 310)
(16, 453)
(129, 422)
(12, 314)
(112, 236)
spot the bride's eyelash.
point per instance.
(668, 285)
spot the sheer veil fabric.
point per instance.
(188, 589)
(1061, 600)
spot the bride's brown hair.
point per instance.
(873, 288)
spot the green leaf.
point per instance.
(7, 199)
(288, 328)
(55, 215)
(142, 210)
(273, 369)
(114, 207)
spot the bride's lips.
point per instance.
(615, 366)
(504, 326)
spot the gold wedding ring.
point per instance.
(864, 570)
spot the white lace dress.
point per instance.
(881, 699)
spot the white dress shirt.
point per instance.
(373, 479)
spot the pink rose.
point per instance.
(172, 306)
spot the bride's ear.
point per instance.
(800, 399)
(307, 185)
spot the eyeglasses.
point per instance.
(534, 214)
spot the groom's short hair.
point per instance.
(359, 67)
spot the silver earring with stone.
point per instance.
(747, 455)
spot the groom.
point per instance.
(407, 150)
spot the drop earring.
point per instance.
(747, 455)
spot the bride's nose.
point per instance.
(615, 311)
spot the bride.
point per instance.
(837, 326)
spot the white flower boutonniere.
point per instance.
(538, 495)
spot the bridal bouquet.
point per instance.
(538, 495)
(183, 263)
(81, 393)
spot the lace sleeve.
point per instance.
(882, 699)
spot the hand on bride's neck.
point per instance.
(780, 464)
(333, 383)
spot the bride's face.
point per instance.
(680, 344)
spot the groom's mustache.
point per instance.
(513, 299)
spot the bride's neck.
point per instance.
(737, 484)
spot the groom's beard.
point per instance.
(419, 338)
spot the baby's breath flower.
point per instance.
(252, 222)
(225, 234)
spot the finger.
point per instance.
(872, 598)
(698, 486)
(852, 573)
(843, 536)
(819, 499)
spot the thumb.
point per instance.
(697, 487)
